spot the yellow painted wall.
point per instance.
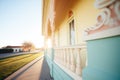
(57, 38)
(63, 34)
(85, 15)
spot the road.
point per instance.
(4, 55)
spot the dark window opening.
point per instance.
(72, 32)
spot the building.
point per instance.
(15, 48)
(82, 39)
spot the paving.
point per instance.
(35, 70)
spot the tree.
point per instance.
(28, 46)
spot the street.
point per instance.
(4, 55)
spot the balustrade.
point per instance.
(72, 58)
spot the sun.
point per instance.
(49, 44)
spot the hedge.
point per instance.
(6, 50)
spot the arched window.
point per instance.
(72, 32)
(71, 23)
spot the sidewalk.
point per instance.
(35, 70)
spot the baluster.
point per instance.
(57, 55)
(78, 63)
(72, 66)
(68, 58)
(83, 54)
(54, 54)
(65, 60)
(50, 54)
(60, 56)
(66, 52)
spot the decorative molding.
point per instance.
(106, 33)
(105, 16)
(103, 3)
(106, 21)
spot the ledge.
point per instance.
(70, 73)
(106, 33)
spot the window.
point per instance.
(72, 32)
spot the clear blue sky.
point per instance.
(20, 20)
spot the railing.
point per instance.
(73, 58)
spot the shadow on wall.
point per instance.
(45, 71)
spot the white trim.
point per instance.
(70, 19)
(117, 5)
(70, 73)
(106, 33)
(73, 46)
(99, 5)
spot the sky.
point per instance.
(20, 21)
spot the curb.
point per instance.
(23, 69)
